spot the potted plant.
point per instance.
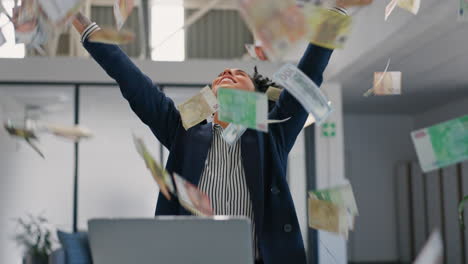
(34, 235)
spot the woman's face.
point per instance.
(233, 78)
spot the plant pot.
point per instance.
(35, 259)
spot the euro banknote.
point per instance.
(443, 144)
(351, 3)
(256, 52)
(74, 133)
(278, 24)
(387, 83)
(342, 3)
(305, 91)
(160, 175)
(410, 5)
(342, 196)
(232, 133)
(60, 11)
(324, 215)
(122, 10)
(329, 29)
(433, 250)
(191, 198)
(26, 21)
(248, 109)
(389, 8)
(198, 108)
(273, 93)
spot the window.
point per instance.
(167, 44)
(10, 49)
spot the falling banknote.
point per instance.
(198, 108)
(463, 11)
(341, 195)
(387, 83)
(389, 8)
(60, 11)
(324, 215)
(410, 5)
(256, 52)
(232, 133)
(191, 198)
(305, 91)
(278, 24)
(330, 29)
(26, 21)
(122, 10)
(350, 3)
(433, 250)
(160, 175)
(443, 144)
(342, 3)
(249, 109)
(75, 133)
(25, 133)
(273, 93)
(112, 36)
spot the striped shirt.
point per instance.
(223, 180)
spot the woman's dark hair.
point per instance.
(261, 82)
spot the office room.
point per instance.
(233, 131)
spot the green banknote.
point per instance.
(249, 109)
(305, 91)
(342, 196)
(443, 144)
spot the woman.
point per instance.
(246, 179)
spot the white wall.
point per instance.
(442, 113)
(374, 143)
(114, 181)
(30, 184)
(297, 181)
(330, 171)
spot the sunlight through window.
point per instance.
(166, 18)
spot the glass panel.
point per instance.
(29, 183)
(114, 181)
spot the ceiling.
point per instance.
(429, 49)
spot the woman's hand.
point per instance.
(80, 22)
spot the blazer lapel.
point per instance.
(252, 159)
(200, 143)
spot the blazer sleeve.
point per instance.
(151, 105)
(313, 64)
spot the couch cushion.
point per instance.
(76, 247)
(57, 257)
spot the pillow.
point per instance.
(76, 246)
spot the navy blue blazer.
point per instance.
(264, 155)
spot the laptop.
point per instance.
(171, 240)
